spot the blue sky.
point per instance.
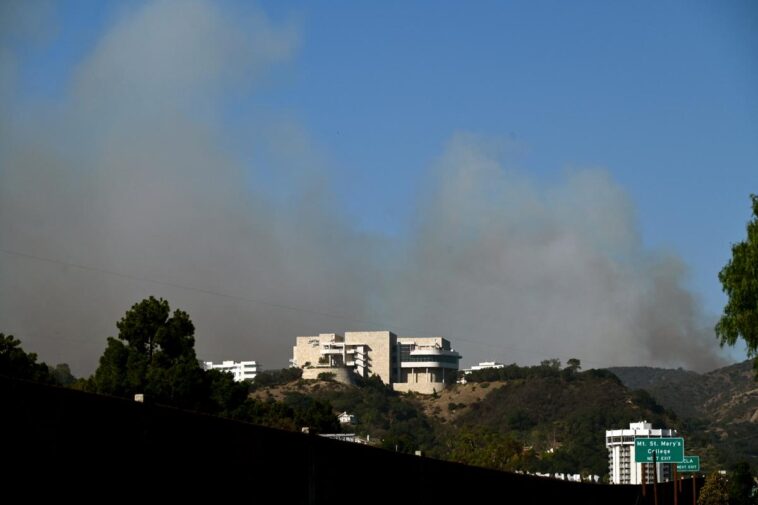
(661, 96)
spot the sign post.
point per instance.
(690, 464)
(655, 481)
(676, 490)
(658, 450)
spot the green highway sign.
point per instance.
(666, 450)
(690, 464)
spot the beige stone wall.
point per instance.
(305, 351)
(423, 341)
(380, 351)
(380, 345)
(341, 374)
(425, 388)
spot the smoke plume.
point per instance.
(520, 272)
(132, 183)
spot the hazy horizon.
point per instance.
(546, 187)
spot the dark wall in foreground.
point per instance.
(68, 443)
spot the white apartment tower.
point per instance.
(242, 370)
(621, 464)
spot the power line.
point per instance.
(105, 271)
(188, 288)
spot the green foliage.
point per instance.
(266, 413)
(154, 354)
(326, 376)
(397, 420)
(553, 363)
(572, 367)
(742, 486)
(567, 412)
(643, 399)
(574, 364)
(510, 429)
(601, 373)
(62, 375)
(224, 394)
(111, 375)
(520, 420)
(714, 491)
(548, 368)
(14, 362)
(316, 414)
(481, 447)
(271, 378)
(717, 427)
(739, 280)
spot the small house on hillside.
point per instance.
(346, 418)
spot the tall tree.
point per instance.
(715, 491)
(14, 362)
(154, 354)
(739, 279)
(741, 485)
(574, 364)
(62, 375)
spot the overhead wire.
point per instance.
(277, 305)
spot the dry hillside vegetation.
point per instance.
(457, 400)
(302, 386)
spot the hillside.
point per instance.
(648, 378)
(562, 418)
(548, 421)
(721, 405)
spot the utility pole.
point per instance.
(655, 479)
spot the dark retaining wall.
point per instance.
(62, 442)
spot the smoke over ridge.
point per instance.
(131, 172)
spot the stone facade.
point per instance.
(379, 352)
(365, 352)
(423, 365)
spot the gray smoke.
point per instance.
(521, 272)
(134, 186)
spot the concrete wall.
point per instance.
(424, 341)
(343, 375)
(379, 352)
(307, 348)
(425, 388)
(380, 345)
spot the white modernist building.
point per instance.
(484, 365)
(423, 365)
(481, 366)
(242, 370)
(621, 464)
